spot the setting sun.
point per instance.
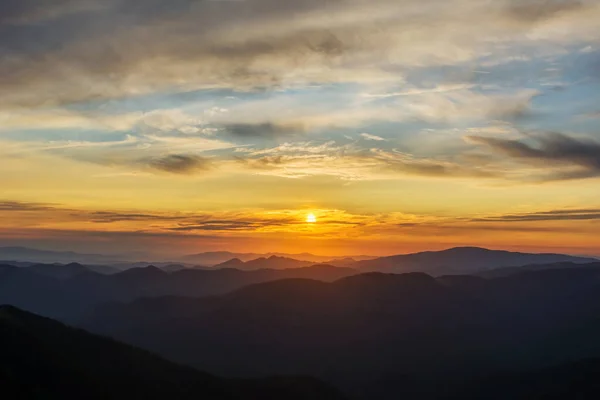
(311, 219)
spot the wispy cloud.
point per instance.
(368, 136)
(554, 215)
(180, 163)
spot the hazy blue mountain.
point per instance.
(508, 271)
(46, 256)
(173, 267)
(219, 257)
(60, 271)
(461, 260)
(44, 359)
(65, 292)
(272, 262)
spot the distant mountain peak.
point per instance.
(150, 270)
(234, 262)
(74, 265)
(461, 260)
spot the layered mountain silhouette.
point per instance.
(47, 256)
(381, 335)
(508, 271)
(71, 270)
(575, 380)
(461, 260)
(273, 262)
(44, 359)
(65, 291)
(219, 257)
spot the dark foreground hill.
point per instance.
(382, 335)
(44, 359)
(576, 380)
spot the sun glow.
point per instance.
(311, 219)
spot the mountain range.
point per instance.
(273, 262)
(65, 291)
(219, 257)
(383, 336)
(46, 360)
(461, 260)
(482, 321)
(131, 260)
(48, 256)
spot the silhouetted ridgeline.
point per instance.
(376, 334)
(513, 332)
(43, 359)
(461, 260)
(65, 292)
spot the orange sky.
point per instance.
(402, 125)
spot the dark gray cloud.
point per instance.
(180, 164)
(219, 226)
(563, 156)
(537, 10)
(100, 47)
(20, 206)
(176, 222)
(555, 215)
(233, 224)
(64, 51)
(110, 217)
(432, 168)
(265, 130)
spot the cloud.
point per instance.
(21, 206)
(399, 162)
(68, 51)
(368, 136)
(266, 130)
(563, 156)
(539, 10)
(107, 217)
(554, 215)
(180, 164)
(350, 162)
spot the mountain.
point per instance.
(233, 263)
(60, 271)
(219, 257)
(378, 335)
(46, 256)
(164, 265)
(508, 271)
(44, 359)
(62, 293)
(173, 267)
(273, 262)
(574, 380)
(461, 260)
(342, 262)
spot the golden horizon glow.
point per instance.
(300, 127)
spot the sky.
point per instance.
(184, 126)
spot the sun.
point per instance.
(311, 219)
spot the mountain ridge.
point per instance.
(44, 359)
(462, 260)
